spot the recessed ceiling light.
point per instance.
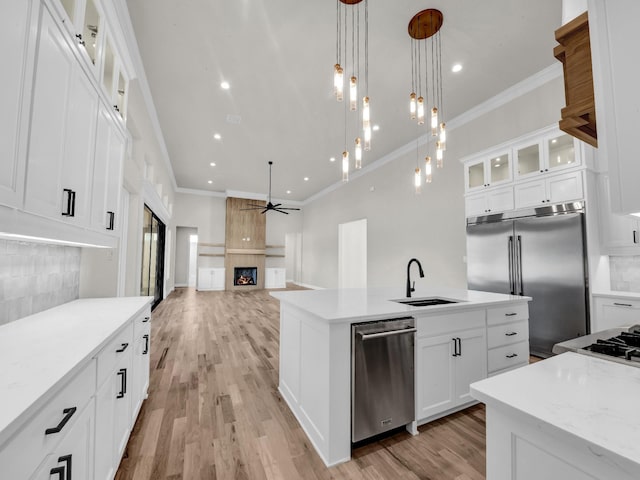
(332, 159)
(306, 179)
(213, 164)
(376, 128)
(288, 192)
(225, 85)
(456, 68)
(217, 136)
(210, 182)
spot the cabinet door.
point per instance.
(475, 177)
(530, 194)
(499, 169)
(566, 187)
(117, 144)
(528, 160)
(18, 37)
(122, 376)
(99, 218)
(73, 457)
(471, 363)
(561, 152)
(140, 373)
(500, 200)
(105, 462)
(475, 204)
(435, 376)
(54, 70)
(616, 231)
(615, 312)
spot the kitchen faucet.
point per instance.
(410, 287)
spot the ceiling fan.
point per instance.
(269, 205)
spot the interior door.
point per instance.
(553, 274)
(488, 263)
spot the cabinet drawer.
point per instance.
(508, 356)
(512, 313)
(507, 334)
(22, 453)
(108, 358)
(432, 325)
(142, 323)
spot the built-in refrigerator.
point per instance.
(540, 253)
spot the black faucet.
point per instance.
(411, 288)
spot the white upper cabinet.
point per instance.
(488, 171)
(18, 39)
(619, 234)
(615, 38)
(550, 154)
(549, 191)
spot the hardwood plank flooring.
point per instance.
(214, 411)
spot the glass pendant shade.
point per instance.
(434, 121)
(412, 105)
(353, 94)
(366, 114)
(420, 111)
(345, 166)
(358, 153)
(367, 139)
(427, 169)
(417, 180)
(438, 155)
(443, 137)
(338, 82)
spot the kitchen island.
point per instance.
(315, 352)
(570, 417)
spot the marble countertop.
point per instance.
(38, 351)
(617, 294)
(354, 304)
(590, 399)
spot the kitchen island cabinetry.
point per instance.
(315, 354)
(570, 416)
(64, 378)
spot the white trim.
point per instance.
(204, 193)
(152, 199)
(312, 287)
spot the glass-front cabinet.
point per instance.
(550, 154)
(90, 30)
(488, 172)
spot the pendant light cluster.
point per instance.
(352, 30)
(426, 83)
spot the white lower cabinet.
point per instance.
(446, 365)
(507, 338)
(210, 279)
(614, 312)
(275, 278)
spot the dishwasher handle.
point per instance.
(369, 336)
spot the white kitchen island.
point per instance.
(315, 352)
(570, 417)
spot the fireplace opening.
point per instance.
(245, 276)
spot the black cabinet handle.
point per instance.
(116, 108)
(68, 413)
(110, 222)
(146, 319)
(512, 355)
(124, 347)
(511, 334)
(64, 471)
(635, 236)
(123, 382)
(622, 304)
(510, 314)
(455, 347)
(459, 347)
(146, 344)
(71, 203)
(80, 40)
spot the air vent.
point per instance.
(234, 119)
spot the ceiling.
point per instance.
(278, 57)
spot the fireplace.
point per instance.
(244, 276)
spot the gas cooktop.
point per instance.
(620, 345)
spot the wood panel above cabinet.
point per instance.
(579, 116)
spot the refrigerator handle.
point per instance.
(519, 257)
(512, 282)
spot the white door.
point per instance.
(193, 260)
(352, 254)
(293, 257)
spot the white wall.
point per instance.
(429, 226)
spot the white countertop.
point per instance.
(593, 400)
(617, 294)
(38, 351)
(353, 304)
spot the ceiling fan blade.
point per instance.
(287, 208)
(280, 211)
(265, 210)
(277, 204)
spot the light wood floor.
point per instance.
(214, 411)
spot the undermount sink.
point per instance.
(425, 302)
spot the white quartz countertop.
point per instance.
(617, 294)
(353, 304)
(38, 351)
(591, 399)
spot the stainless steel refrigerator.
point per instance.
(539, 253)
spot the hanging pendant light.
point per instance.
(366, 114)
(443, 137)
(345, 166)
(417, 179)
(412, 105)
(367, 139)
(353, 94)
(427, 169)
(420, 111)
(358, 164)
(434, 121)
(338, 82)
(438, 155)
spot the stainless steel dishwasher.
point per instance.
(382, 376)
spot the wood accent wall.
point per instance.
(244, 240)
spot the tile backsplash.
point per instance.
(35, 277)
(625, 273)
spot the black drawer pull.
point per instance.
(146, 344)
(510, 314)
(111, 220)
(623, 304)
(63, 472)
(68, 413)
(124, 347)
(123, 382)
(146, 319)
(511, 334)
(511, 355)
(57, 471)
(71, 203)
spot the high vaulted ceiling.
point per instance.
(278, 57)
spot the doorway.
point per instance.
(186, 256)
(152, 278)
(352, 254)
